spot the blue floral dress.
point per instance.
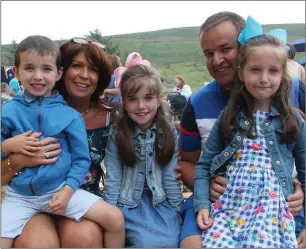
(97, 140)
(252, 212)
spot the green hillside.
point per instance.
(177, 51)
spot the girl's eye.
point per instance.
(28, 68)
(274, 70)
(47, 69)
(131, 99)
(148, 97)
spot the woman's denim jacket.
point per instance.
(217, 153)
(124, 184)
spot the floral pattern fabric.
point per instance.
(97, 140)
(252, 212)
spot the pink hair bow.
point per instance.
(132, 60)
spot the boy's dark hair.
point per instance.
(40, 44)
(132, 81)
(221, 17)
(242, 100)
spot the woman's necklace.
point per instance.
(87, 111)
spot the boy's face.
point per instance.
(38, 73)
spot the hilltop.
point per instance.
(177, 51)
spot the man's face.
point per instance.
(220, 48)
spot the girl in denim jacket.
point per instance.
(141, 154)
(254, 142)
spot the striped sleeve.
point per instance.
(189, 139)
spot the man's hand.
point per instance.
(60, 200)
(203, 219)
(295, 201)
(301, 240)
(217, 187)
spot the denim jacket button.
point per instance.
(270, 142)
(247, 122)
(277, 162)
(283, 183)
(226, 154)
(150, 154)
(238, 138)
(266, 124)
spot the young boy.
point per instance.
(50, 188)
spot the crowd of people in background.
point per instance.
(239, 146)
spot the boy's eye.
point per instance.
(255, 69)
(47, 69)
(28, 68)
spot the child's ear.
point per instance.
(16, 72)
(239, 70)
(59, 74)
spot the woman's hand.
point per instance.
(49, 145)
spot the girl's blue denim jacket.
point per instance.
(217, 152)
(124, 184)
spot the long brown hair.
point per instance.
(95, 56)
(242, 100)
(133, 79)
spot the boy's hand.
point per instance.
(301, 240)
(60, 200)
(23, 144)
(203, 220)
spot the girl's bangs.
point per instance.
(134, 85)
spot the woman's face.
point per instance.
(178, 83)
(81, 78)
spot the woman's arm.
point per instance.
(19, 161)
(113, 171)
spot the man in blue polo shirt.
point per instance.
(219, 42)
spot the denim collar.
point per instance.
(138, 131)
(246, 123)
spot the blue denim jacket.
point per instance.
(124, 184)
(217, 152)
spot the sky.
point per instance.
(67, 19)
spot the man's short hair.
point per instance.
(221, 17)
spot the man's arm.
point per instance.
(186, 167)
(189, 145)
